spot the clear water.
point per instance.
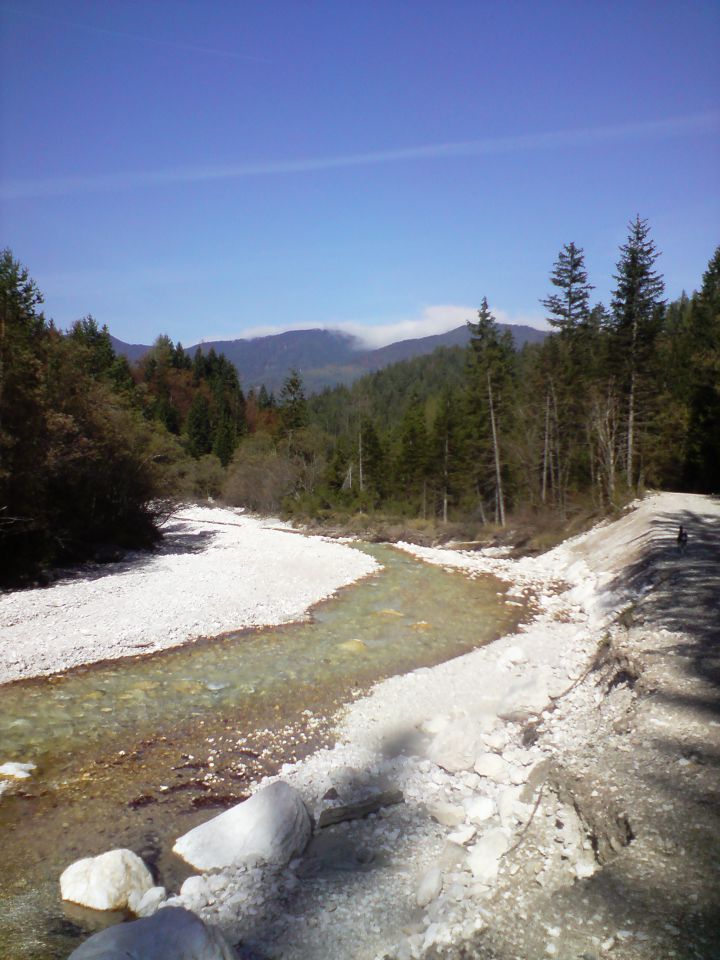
(132, 752)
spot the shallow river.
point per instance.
(135, 752)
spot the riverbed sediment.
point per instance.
(216, 570)
(586, 825)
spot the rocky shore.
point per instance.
(215, 571)
(554, 794)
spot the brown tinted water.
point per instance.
(135, 752)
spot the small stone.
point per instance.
(448, 814)
(463, 835)
(480, 809)
(493, 767)
(18, 771)
(429, 887)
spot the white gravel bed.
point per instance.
(392, 736)
(217, 570)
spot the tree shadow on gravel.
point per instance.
(341, 865)
(679, 590)
(177, 541)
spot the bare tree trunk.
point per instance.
(496, 451)
(483, 518)
(560, 482)
(360, 459)
(445, 479)
(543, 493)
(631, 430)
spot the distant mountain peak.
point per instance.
(324, 357)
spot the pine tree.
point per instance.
(702, 468)
(293, 406)
(197, 427)
(637, 305)
(412, 463)
(225, 440)
(491, 356)
(569, 308)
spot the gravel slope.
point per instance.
(604, 815)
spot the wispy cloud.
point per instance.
(432, 320)
(653, 129)
(137, 37)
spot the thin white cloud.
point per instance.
(432, 320)
(653, 129)
(137, 37)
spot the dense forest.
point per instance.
(94, 453)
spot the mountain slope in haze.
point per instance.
(325, 358)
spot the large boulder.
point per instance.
(273, 825)
(106, 882)
(170, 934)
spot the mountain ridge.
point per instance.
(324, 358)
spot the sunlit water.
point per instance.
(133, 752)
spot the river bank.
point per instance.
(558, 785)
(216, 570)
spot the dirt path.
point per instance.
(638, 748)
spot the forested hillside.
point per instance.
(326, 358)
(93, 452)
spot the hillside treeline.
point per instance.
(94, 453)
(616, 399)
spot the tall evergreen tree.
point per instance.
(293, 406)
(571, 307)
(412, 462)
(702, 468)
(491, 355)
(636, 305)
(197, 427)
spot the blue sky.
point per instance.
(225, 169)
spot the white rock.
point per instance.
(448, 814)
(480, 809)
(526, 698)
(497, 740)
(150, 902)
(518, 775)
(513, 655)
(435, 724)
(463, 835)
(170, 934)
(106, 882)
(429, 887)
(273, 825)
(585, 868)
(484, 856)
(455, 747)
(18, 771)
(196, 890)
(509, 807)
(493, 767)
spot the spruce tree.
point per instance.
(636, 305)
(293, 406)
(491, 355)
(571, 307)
(197, 427)
(702, 468)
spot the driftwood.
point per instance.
(356, 811)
